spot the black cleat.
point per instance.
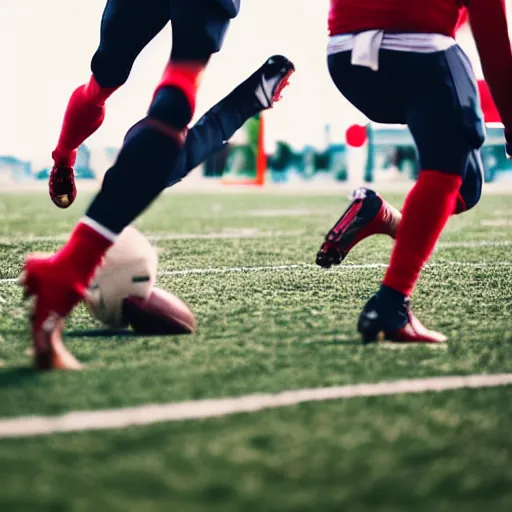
(62, 186)
(267, 83)
(368, 214)
(400, 326)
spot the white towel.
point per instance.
(366, 46)
(366, 49)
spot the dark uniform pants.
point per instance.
(436, 95)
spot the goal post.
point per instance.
(247, 162)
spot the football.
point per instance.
(128, 270)
(160, 313)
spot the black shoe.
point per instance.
(267, 83)
(378, 323)
(368, 214)
(62, 186)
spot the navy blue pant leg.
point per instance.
(127, 26)
(207, 20)
(148, 157)
(435, 94)
(212, 131)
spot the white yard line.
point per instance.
(228, 270)
(228, 234)
(276, 268)
(475, 244)
(240, 233)
(201, 409)
(286, 268)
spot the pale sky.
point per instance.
(46, 48)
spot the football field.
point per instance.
(313, 420)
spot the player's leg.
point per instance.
(368, 213)
(447, 125)
(126, 28)
(141, 172)
(257, 93)
(156, 142)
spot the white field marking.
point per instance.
(80, 421)
(496, 223)
(297, 212)
(303, 266)
(228, 234)
(242, 233)
(476, 244)
(389, 345)
(228, 270)
(234, 234)
(276, 268)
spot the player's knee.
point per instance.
(171, 106)
(471, 189)
(476, 133)
(109, 70)
(467, 200)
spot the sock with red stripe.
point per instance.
(185, 76)
(426, 211)
(83, 253)
(84, 115)
(149, 154)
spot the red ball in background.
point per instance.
(356, 135)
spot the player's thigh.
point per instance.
(444, 114)
(127, 26)
(199, 28)
(380, 95)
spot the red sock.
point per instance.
(184, 76)
(83, 253)
(460, 206)
(426, 211)
(84, 115)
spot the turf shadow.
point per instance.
(14, 377)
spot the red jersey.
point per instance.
(489, 109)
(436, 16)
(488, 20)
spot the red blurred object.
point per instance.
(463, 19)
(491, 114)
(356, 135)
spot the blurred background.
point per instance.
(46, 51)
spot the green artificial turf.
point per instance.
(284, 325)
